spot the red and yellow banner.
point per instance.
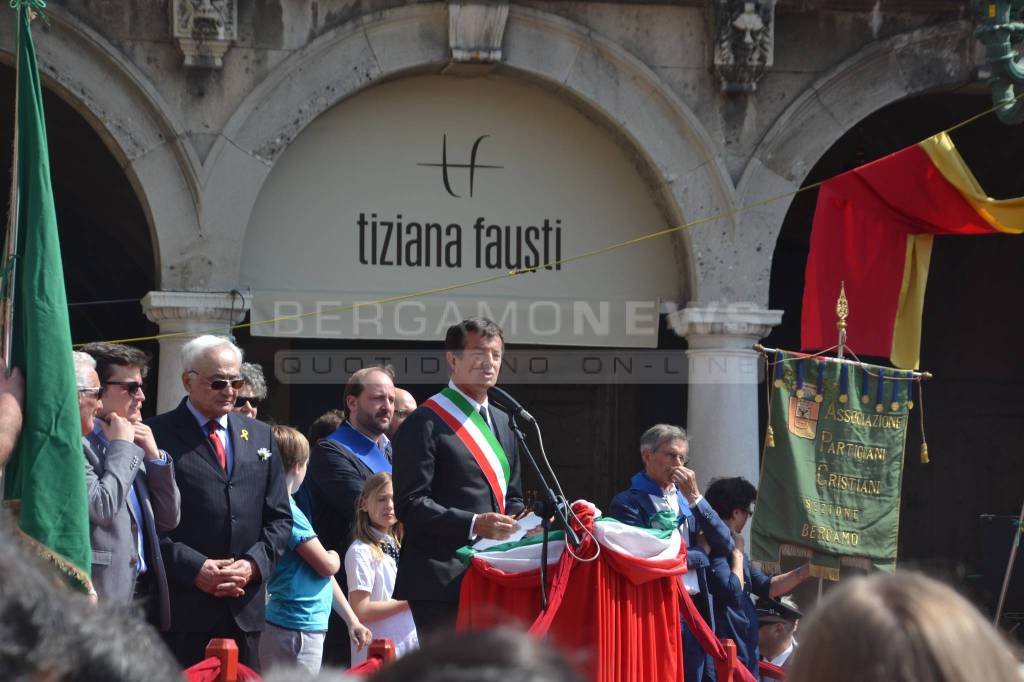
(873, 230)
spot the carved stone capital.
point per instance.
(194, 310)
(742, 41)
(475, 31)
(725, 326)
(204, 30)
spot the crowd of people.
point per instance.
(210, 523)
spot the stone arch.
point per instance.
(137, 126)
(880, 74)
(614, 87)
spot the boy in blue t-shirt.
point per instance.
(302, 587)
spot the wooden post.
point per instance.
(227, 651)
(724, 668)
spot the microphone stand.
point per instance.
(546, 507)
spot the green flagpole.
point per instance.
(45, 478)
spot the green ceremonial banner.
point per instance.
(46, 476)
(830, 482)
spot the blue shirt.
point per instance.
(300, 598)
(133, 500)
(222, 432)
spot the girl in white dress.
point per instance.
(371, 564)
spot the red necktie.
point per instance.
(218, 446)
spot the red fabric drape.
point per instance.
(859, 235)
(617, 616)
(773, 672)
(704, 635)
(366, 668)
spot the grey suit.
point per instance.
(110, 472)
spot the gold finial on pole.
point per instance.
(842, 312)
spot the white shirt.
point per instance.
(781, 659)
(365, 572)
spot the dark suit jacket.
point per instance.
(735, 614)
(110, 472)
(244, 515)
(334, 481)
(438, 488)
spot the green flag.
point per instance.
(46, 476)
(832, 469)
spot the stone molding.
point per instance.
(204, 30)
(736, 326)
(476, 29)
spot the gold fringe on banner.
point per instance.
(860, 562)
(68, 569)
(825, 572)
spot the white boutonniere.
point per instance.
(264, 454)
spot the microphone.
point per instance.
(510, 404)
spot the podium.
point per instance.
(614, 610)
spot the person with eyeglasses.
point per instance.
(235, 515)
(665, 495)
(733, 578)
(405, 404)
(253, 392)
(132, 491)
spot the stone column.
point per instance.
(187, 314)
(722, 417)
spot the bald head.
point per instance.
(404, 405)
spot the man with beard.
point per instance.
(339, 465)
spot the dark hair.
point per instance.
(325, 425)
(110, 355)
(498, 655)
(455, 338)
(357, 382)
(51, 633)
(727, 494)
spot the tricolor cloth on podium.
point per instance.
(833, 466)
(873, 229)
(617, 616)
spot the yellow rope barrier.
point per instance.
(514, 273)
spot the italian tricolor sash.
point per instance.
(478, 438)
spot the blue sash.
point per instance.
(362, 447)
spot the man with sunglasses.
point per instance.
(733, 578)
(132, 492)
(235, 515)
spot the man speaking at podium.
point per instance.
(456, 476)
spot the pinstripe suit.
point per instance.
(244, 513)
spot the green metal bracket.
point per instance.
(997, 31)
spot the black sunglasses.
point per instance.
(240, 401)
(221, 384)
(130, 387)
